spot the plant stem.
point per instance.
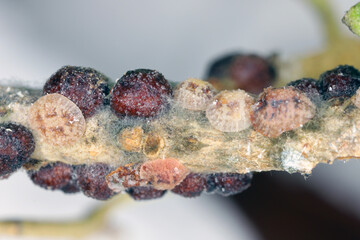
(74, 229)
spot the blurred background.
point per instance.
(179, 39)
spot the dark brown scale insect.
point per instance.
(309, 86)
(340, 82)
(140, 93)
(248, 72)
(16, 146)
(72, 187)
(227, 184)
(252, 73)
(220, 67)
(86, 87)
(145, 193)
(56, 176)
(91, 180)
(192, 186)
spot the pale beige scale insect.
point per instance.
(57, 119)
(194, 94)
(229, 111)
(281, 110)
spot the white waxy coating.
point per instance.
(194, 94)
(229, 111)
(57, 119)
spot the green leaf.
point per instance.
(352, 19)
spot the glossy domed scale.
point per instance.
(308, 86)
(140, 93)
(16, 146)
(342, 81)
(91, 180)
(227, 184)
(249, 72)
(145, 193)
(192, 186)
(86, 87)
(56, 176)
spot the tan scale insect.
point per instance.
(57, 119)
(229, 111)
(194, 94)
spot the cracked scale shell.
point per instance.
(124, 177)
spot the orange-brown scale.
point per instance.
(163, 174)
(130, 139)
(153, 144)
